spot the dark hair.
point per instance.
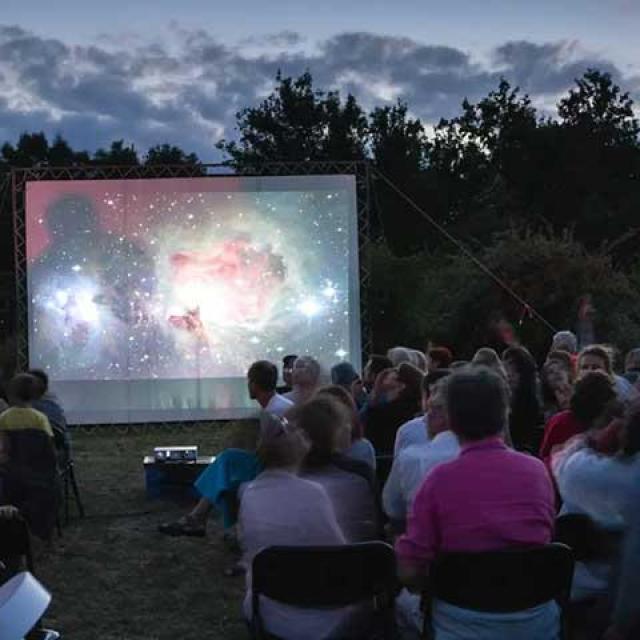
(321, 419)
(412, 378)
(264, 375)
(526, 412)
(288, 361)
(377, 363)
(343, 374)
(599, 351)
(346, 400)
(442, 356)
(432, 377)
(564, 358)
(22, 388)
(477, 401)
(591, 395)
(41, 377)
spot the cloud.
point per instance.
(186, 87)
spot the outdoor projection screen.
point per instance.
(149, 299)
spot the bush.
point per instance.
(449, 300)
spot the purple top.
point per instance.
(489, 498)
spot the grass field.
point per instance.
(113, 577)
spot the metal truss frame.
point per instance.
(21, 176)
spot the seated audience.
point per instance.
(414, 462)
(361, 389)
(305, 379)
(488, 357)
(344, 375)
(394, 400)
(29, 478)
(355, 445)
(625, 619)
(565, 341)
(488, 498)
(47, 402)
(525, 416)
(287, 368)
(398, 355)
(419, 360)
(21, 414)
(601, 482)
(557, 383)
(349, 483)
(262, 378)
(280, 508)
(375, 366)
(416, 430)
(592, 395)
(439, 358)
(218, 484)
(598, 358)
(632, 366)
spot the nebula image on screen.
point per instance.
(189, 279)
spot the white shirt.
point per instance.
(410, 468)
(603, 487)
(280, 508)
(363, 450)
(410, 433)
(278, 405)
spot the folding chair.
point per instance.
(500, 581)
(329, 577)
(15, 546)
(589, 616)
(68, 479)
(31, 479)
(587, 540)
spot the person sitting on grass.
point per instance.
(218, 484)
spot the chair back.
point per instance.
(587, 540)
(325, 577)
(30, 479)
(32, 456)
(15, 543)
(504, 581)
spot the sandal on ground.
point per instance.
(185, 526)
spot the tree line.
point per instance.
(550, 201)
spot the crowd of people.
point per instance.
(429, 453)
(436, 456)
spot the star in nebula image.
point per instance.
(185, 279)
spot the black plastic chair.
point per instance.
(328, 577)
(30, 479)
(587, 540)
(15, 546)
(68, 480)
(500, 581)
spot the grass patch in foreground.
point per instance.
(113, 577)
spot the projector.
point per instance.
(176, 454)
